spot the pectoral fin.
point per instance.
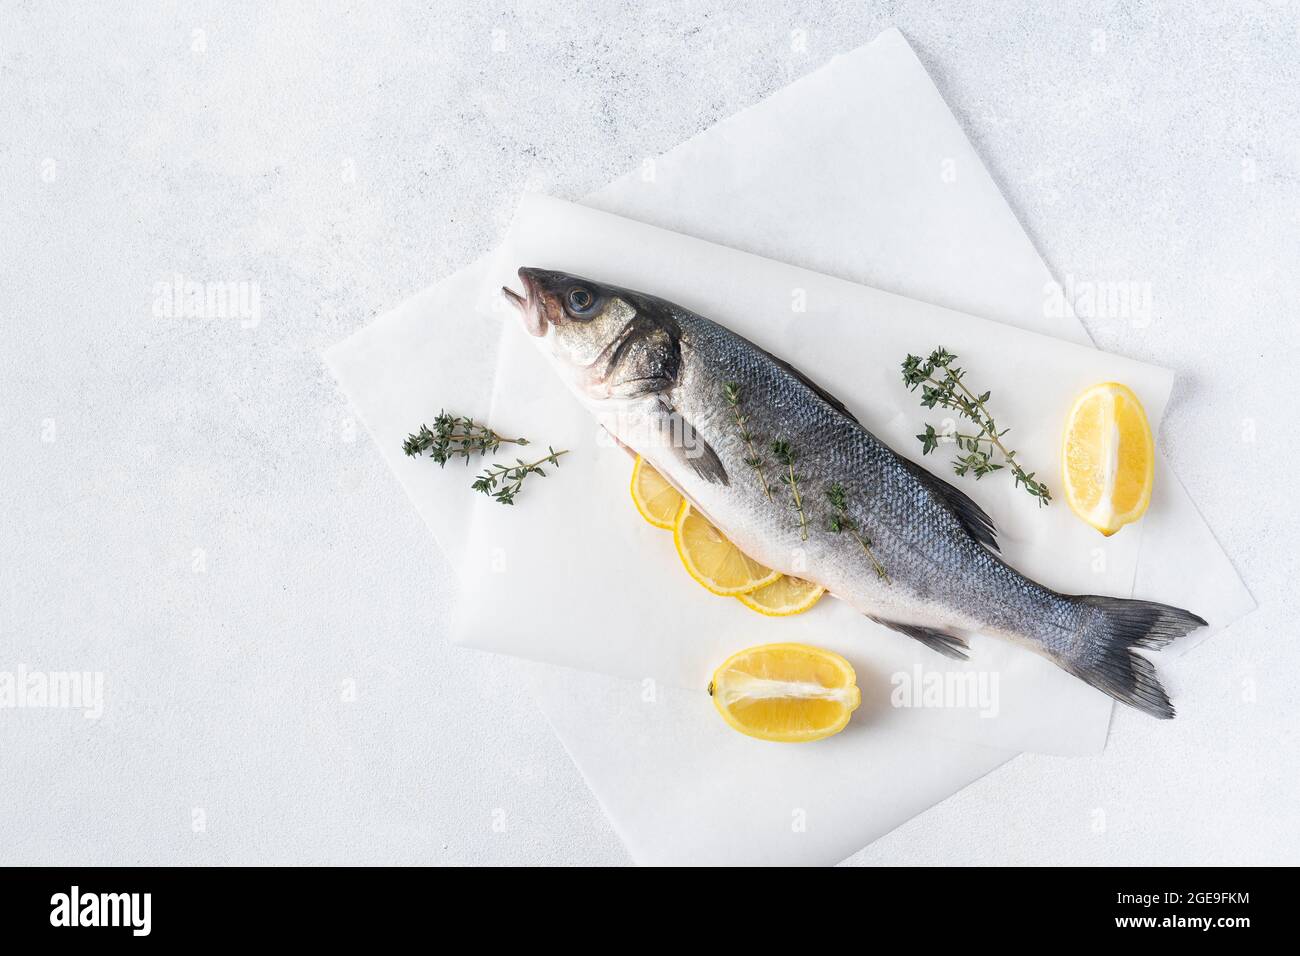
(699, 454)
(691, 449)
(949, 645)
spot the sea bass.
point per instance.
(925, 559)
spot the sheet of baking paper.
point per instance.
(876, 122)
(609, 588)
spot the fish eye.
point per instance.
(580, 299)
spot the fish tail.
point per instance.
(1105, 658)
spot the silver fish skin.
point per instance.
(924, 560)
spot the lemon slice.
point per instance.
(1108, 457)
(713, 560)
(783, 597)
(657, 500)
(790, 693)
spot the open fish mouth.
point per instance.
(529, 307)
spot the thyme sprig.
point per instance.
(787, 456)
(503, 482)
(942, 385)
(455, 435)
(731, 392)
(460, 436)
(839, 522)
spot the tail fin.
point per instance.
(1106, 660)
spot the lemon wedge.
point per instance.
(791, 693)
(657, 500)
(1108, 457)
(714, 561)
(783, 597)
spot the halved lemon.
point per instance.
(790, 693)
(783, 597)
(1108, 457)
(713, 560)
(657, 500)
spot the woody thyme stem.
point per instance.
(840, 520)
(788, 456)
(731, 392)
(951, 391)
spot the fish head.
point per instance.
(622, 353)
(581, 321)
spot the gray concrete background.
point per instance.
(189, 508)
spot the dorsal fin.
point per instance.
(972, 517)
(821, 393)
(824, 395)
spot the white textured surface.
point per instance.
(1171, 157)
